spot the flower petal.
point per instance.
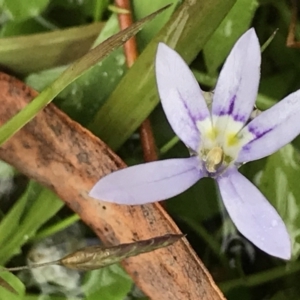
(149, 182)
(237, 86)
(180, 95)
(272, 129)
(253, 215)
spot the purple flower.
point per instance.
(222, 140)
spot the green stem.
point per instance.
(98, 11)
(56, 227)
(268, 41)
(264, 102)
(169, 145)
(260, 278)
(204, 79)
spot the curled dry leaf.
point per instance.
(96, 257)
(67, 158)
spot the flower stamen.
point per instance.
(214, 159)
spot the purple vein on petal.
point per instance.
(239, 118)
(180, 95)
(271, 130)
(230, 111)
(230, 107)
(257, 134)
(237, 85)
(231, 104)
(195, 117)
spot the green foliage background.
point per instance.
(112, 102)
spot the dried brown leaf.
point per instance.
(95, 257)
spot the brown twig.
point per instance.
(62, 155)
(131, 54)
(291, 39)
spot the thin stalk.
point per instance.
(131, 54)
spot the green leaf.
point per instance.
(280, 184)
(110, 283)
(13, 282)
(69, 75)
(198, 203)
(44, 204)
(143, 8)
(264, 102)
(41, 80)
(10, 223)
(273, 87)
(262, 277)
(58, 226)
(27, 27)
(22, 10)
(83, 97)
(291, 293)
(232, 27)
(136, 95)
(26, 54)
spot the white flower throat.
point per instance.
(220, 143)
